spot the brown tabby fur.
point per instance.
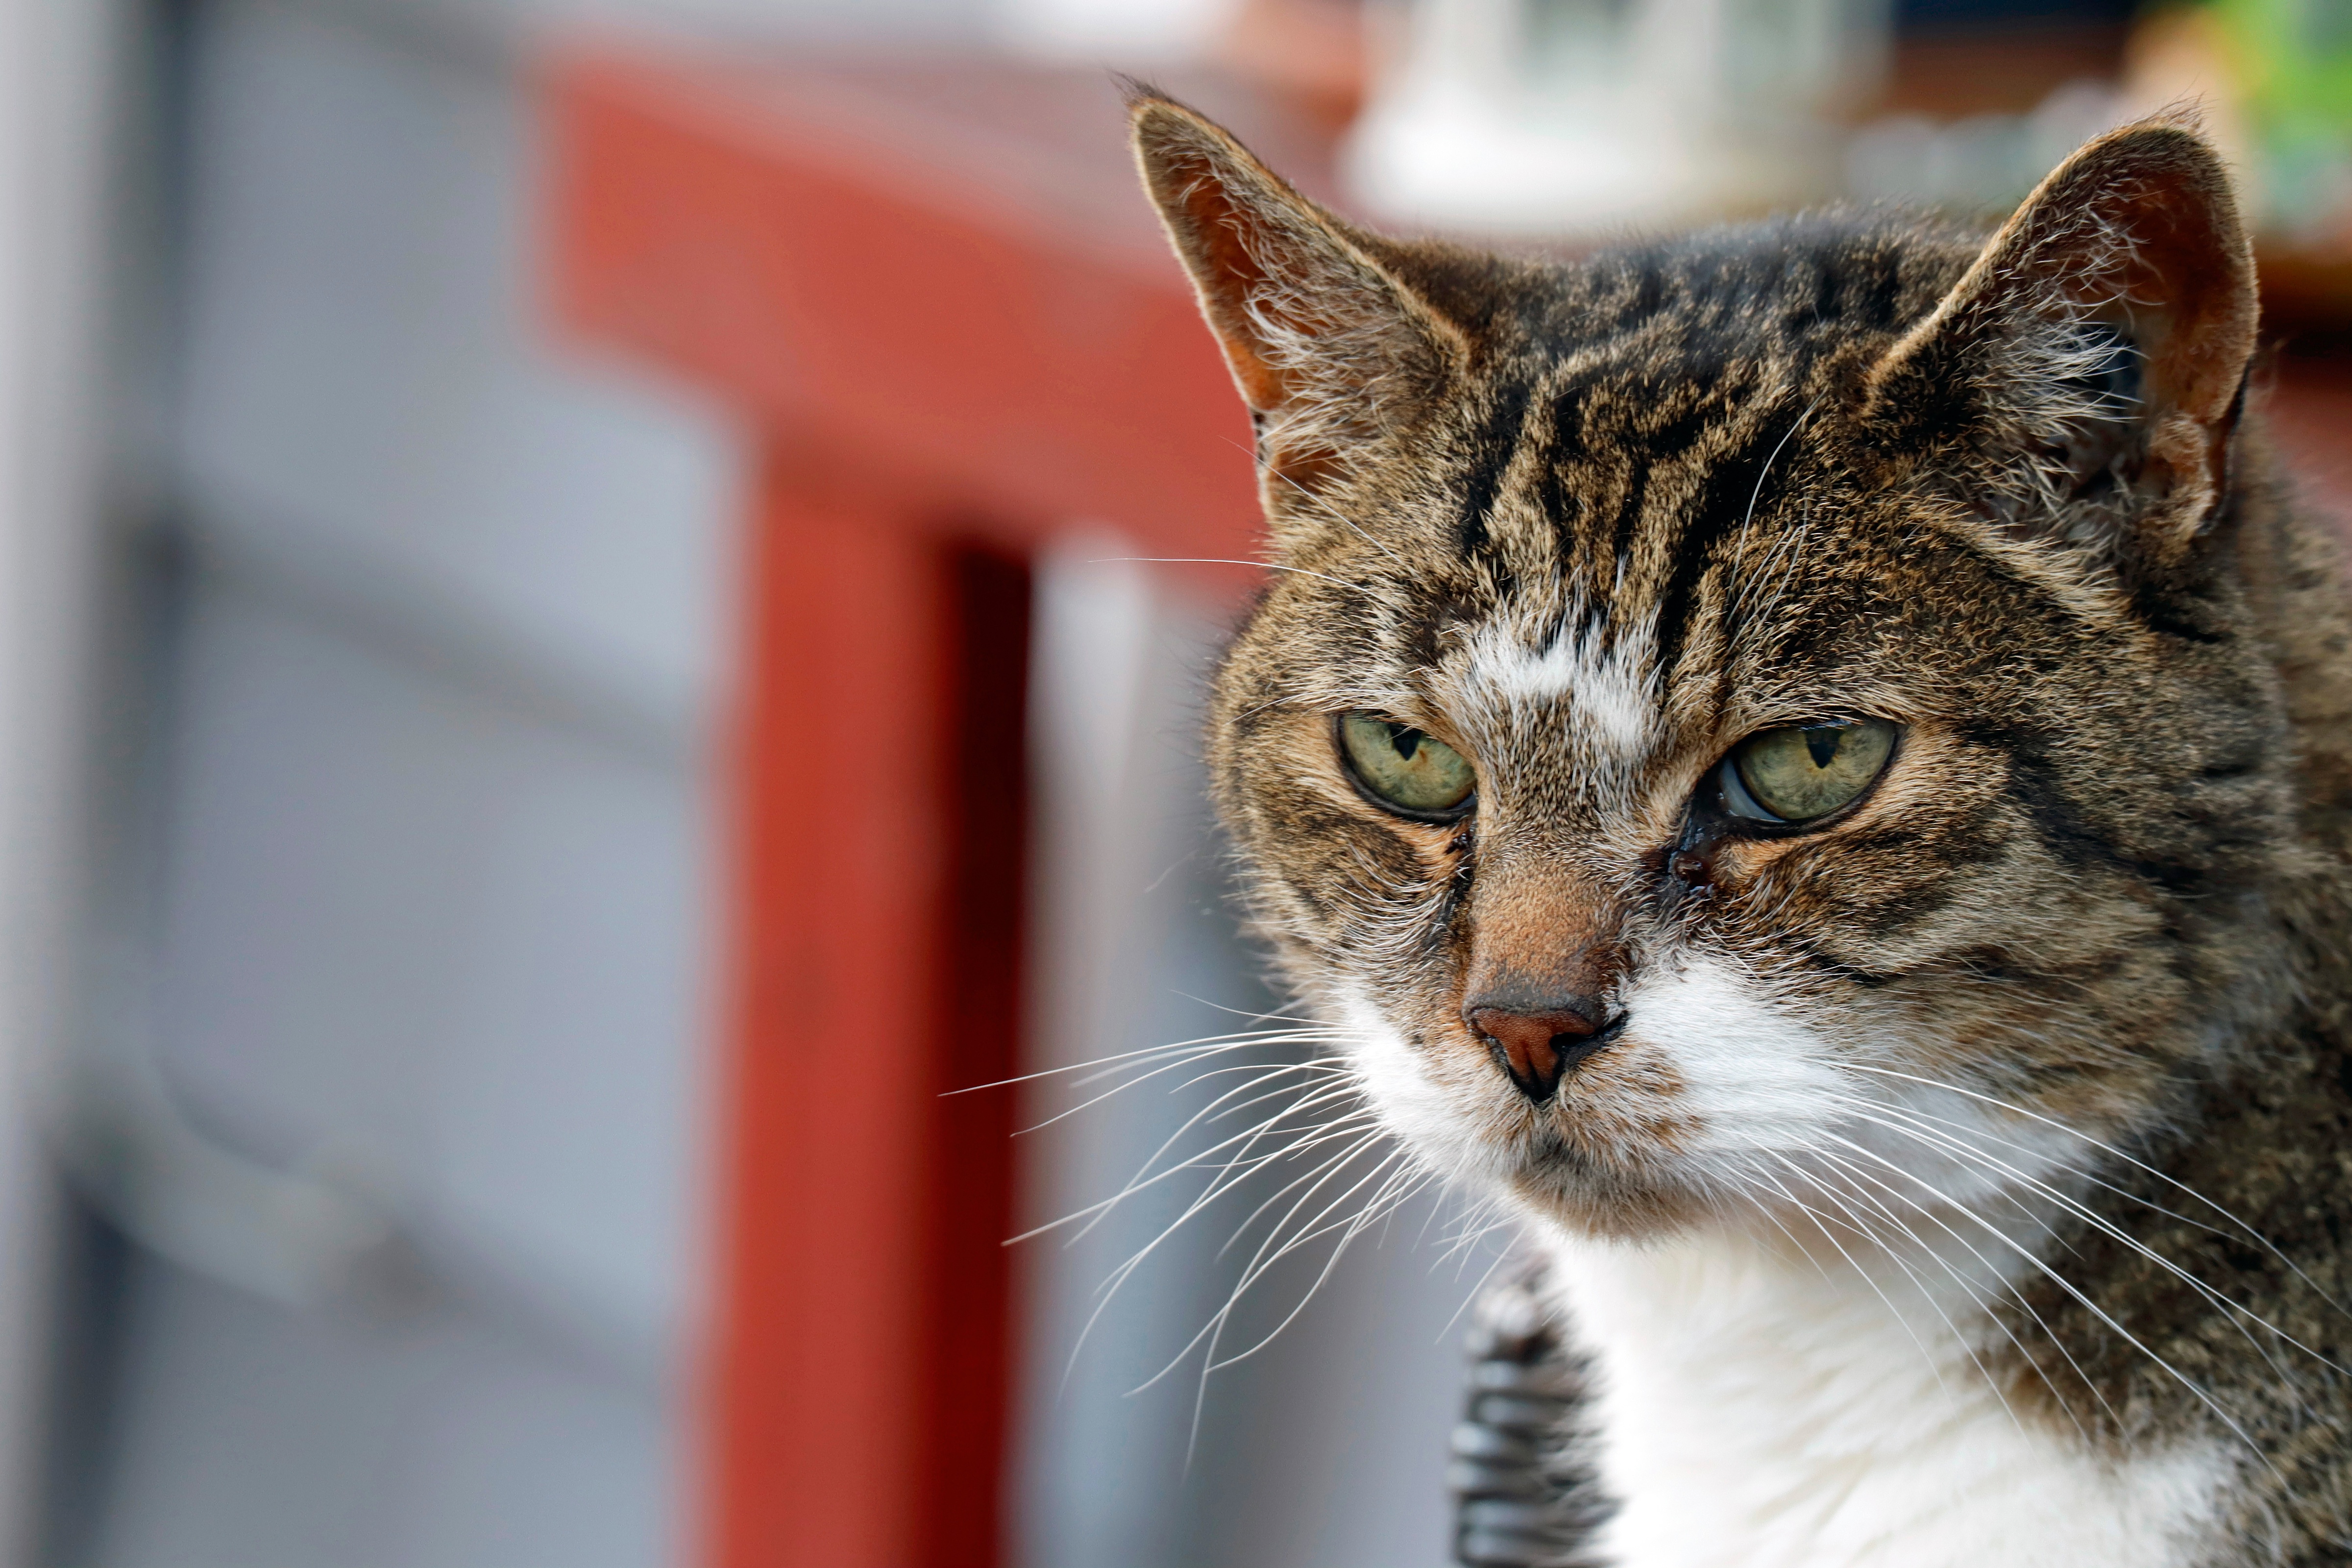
(1843, 465)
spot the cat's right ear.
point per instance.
(1325, 343)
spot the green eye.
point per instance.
(1808, 771)
(1406, 769)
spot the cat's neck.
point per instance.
(1769, 1403)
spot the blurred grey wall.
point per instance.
(411, 910)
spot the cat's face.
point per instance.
(1774, 706)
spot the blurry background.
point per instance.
(364, 652)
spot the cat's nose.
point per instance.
(1536, 1049)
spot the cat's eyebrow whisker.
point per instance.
(1334, 513)
(1765, 472)
(1786, 552)
(1222, 561)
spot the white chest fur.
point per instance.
(1756, 1412)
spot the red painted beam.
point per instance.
(949, 315)
(841, 839)
(987, 311)
(860, 1384)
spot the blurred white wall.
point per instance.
(1327, 1448)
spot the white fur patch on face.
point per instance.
(1761, 1085)
(1606, 690)
(1423, 1114)
(1764, 1104)
(1755, 1076)
(1772, 1392)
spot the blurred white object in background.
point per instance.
(1129, 32)
(1325, 1449)
(1982, 163)
(1563, 117)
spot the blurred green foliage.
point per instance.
(2293, 61)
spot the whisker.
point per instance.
(1859, 1270)
(1108, 1289)
(1217, 561)
(1313, 1180)
(2062, 1283)
(1244, 1038)
(1982, 1305)
(2234, 1311)
(1187, 1059)
(2249, 1231)
(1144, 1178)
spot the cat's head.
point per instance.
(1758, 702)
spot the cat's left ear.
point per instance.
(2101, 340)
(1329, 345)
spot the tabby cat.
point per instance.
(1812, 760)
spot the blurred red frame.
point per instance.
(940, 301)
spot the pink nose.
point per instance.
(1535, 1049)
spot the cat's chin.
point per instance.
(1608, 1206)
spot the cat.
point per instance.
(1813, 761)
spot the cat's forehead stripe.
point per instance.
(1625, 503)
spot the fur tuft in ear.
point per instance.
(1327, 344)
(2099, 345)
